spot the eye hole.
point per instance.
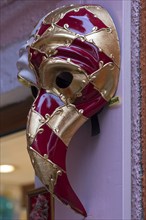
(64, 79)
(34, 91)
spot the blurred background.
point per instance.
(18, 19)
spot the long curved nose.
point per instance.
(50, 127)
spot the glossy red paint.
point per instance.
(91, 101)
(43, 28)
(65, 193)
(46, 103)
(36, 57)
(47, 142)
(84, 54)
(81, 21)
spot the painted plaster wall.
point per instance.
(96, 165)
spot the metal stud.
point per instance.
(81, 111)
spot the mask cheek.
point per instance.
(25, 73)
(91, 101)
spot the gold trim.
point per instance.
(108, 43)
(59, 13)
(105, 38)
(105, 80)
(65, 121)
(50, 40)
(31, 65)
(24, 81)
(52, 67)
(34, 123)
(102, 14)
(45, 169)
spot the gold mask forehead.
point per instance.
(52, 38)
(56, 36)
(106, 39)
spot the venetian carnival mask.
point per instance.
(72, 60)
